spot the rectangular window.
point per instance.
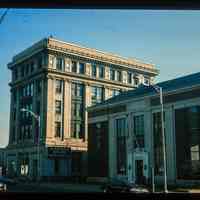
(187, 130)
(57, 129)
(15, 74)
(32, 66)
(56, 166)
(97, 95)
(101, 71)
(14, 96)
(136, 81)
(39, 86)
(146, 81)
(81, 68)
(115, 92)
(138, 131)
(112, 74)
(77, 112)
(77, 109)
(39, 62)
(74, 66)
(158, 147)
(60, 64)
(27, 69)
(22, 71)
(14, 114)
(77, 128)
(94, 70)
(58, 106)
(119, 76)
(129, 78)
(31, 89)
(77, 89)
(121, 146)
(58, 86)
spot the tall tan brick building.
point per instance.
(57, 81)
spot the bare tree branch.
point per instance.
(3, 16)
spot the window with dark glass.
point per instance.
(15, 74)
(136, 80)
(27, 69)
(39, 86)
(119, 76)
(81, 68)
(39, 62)
(22, 71)
(77, 128)
(74, 66)
(146, 81)
(32, 66)
(115, 92)
(121, 146)
(14, 96)
(138, 131)
(57, 129)
(38, 107)
(13, 135)
(14, 114)
(94, 70)
(56, 166)
(187, 130)
(129, 78)
(60, 64)
(101, 71)
(77, 89)
(158, 146)
(77, 111)
(97, 94)
(58, 86)
(58, 106)
(112, 74)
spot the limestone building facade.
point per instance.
(125, 134)
(57, 80)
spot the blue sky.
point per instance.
(168, 39)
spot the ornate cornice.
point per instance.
(83, 52)
(99, 55)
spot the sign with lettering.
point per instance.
(58, 152)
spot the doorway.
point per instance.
(139, 172)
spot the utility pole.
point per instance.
(159, 90)
(37, 117)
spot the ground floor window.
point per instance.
(56, 166)
(187, 128)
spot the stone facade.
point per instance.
(182, 114)
(54, 79)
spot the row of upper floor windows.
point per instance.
(23, 70)
(95, 70)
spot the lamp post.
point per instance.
(37, 117)
(158, 89)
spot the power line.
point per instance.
(3, 16)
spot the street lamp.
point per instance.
(158, 89)
(37, 117)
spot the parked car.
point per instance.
(120, 185)
(3, 187)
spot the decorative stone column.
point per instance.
(124, 77)
(50, 108)
(67, 109)
(106, 93)
(68, 64)
(107, 72)
(88, 70)
(87, 104)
